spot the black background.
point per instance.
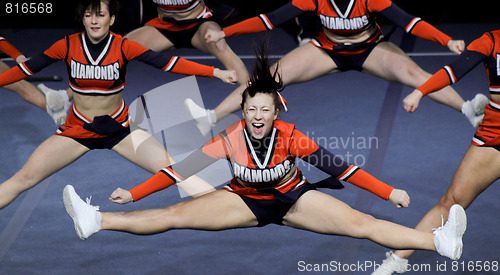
(62, 16)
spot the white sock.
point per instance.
(397, 258)
(212, 116)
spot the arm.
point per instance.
(336, 167)
(34, 65)
(9, 49)
(263, 22)
(305, 148)
(168, 176)
(475, 53)
(416, 26)
(174, 64)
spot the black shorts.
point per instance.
(104, 142)
(353, 61)
(180, 39)
(273, 211)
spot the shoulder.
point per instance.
(284, 126)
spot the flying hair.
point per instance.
(262, 80)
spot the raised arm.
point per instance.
(415, 25)
(34, 65)
(476, 52)
(11, 51)
(212, 151)
(175, 64)
(327, 162)
(263, 22)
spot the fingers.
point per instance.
(120, 196)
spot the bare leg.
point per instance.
(221, 51)
(25, 89)
(52, 155)
(477, 171)
(321, 213)
(145, 151)
(218, 210)
(389, 62)
(150, 38)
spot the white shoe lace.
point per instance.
(438, 229)
(87, 200)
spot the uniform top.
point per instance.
(262, 164)
(485, 49)
(100, 69)
(342, 17)
(176, 6)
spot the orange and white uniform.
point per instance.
(178, 6)
(352, 17)
(99, 70)
(262, 169)
(486, 50)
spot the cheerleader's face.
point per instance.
(97, 24)
(259, 113)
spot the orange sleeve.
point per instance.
(302, 145)
(58, 50)
(483, 44)
(426, 31)
(364, 180)
(9, 49)
(438, 81)
(182, 66)
(378, 5)
(306, 5)
(157, 182)
(12, 75)
(251, 25)
(132, 49)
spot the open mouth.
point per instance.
(257, 127)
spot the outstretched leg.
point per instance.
(319, 212)
(52, 155)
(218, 210)
(465, 186)
(389, 62)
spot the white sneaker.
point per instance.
(391, 265)
(202, 118)
(448, 238)
(58, 103)
(474, 109)
(86, 217)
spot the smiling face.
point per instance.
(97, 23)
(259, 113)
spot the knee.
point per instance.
(23, 180)
(362, 226)
(417, 73)
(172, 216)
(447, 201)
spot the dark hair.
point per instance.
(95, 6)
(262, 80)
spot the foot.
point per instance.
(86, 217)
(448, 238)
(202, 118)
(474, 109)
(58, 103)
(391, 264)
